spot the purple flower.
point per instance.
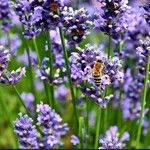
(14, 44)
(145, 125)
(28, 99)
(62, 93)
(112, 140)
(51, 141)
(47, 120)
(38, 15)
(38, 84)
(5, 14)
(81, 65)
(8, 77)
(26, 132)
(43, 72)
(133, 83)
(26, 14)
(51, 121)
(75, 23)
(13, 77)
(146, 7)
(58, 54)
(108, 19)
(4, 58)
(136, 26)
(53, 128)
(23, 58)
(74, 140)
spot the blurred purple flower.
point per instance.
(23, 58)
(134, 82)
(58, 54)
(5, 15)
(8, 77)
(51, 141)
(136, 26)
(14, 44)
(38, 85)
(28, 99)
(62, 93)
(4, 58)
(146, 6)
(13, 77)
(111, 140)
(75, 140)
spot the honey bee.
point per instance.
(97, 72)
(1, 66)
(54, 7)
(144, 1)
(30, 1)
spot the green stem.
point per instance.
(81, 131)
(105, 118)
(31, 74)
(47, 93)
(143, 102)
(97, 127)
(33, 90)
(51, 68)
(69, 75)
(87, 118)
(77, 2)
(120, 45)
(22, 102)
(39, 60)
(109, 55)
(36, 49)
(9, 40)
(8, 115)
(28, 112)
(110, 47)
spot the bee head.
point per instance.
(100, 61)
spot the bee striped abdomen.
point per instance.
(97, 73)
(97, 79)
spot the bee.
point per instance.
(2, 66)
(97, 72)
(54, 7)
(144, 1)
(30, 1)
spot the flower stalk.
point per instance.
(51, 68)
(143, 102)
(69, 74)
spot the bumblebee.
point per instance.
(97, 72)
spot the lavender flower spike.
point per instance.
(53, 128)
(109, 17)
(111, 140)
(5, 15)
(13, 77)
(28, 99)
(4, 58)
(74, 140)
(26, 132)
(75, 23)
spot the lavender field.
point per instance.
(74, 74)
